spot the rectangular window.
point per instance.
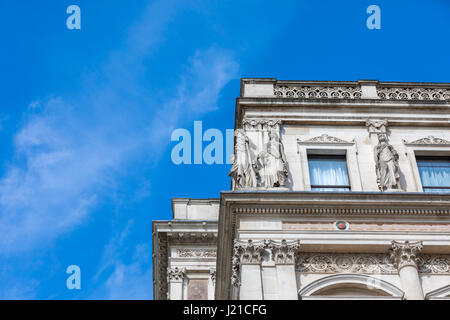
(328, 173)
(434, 173)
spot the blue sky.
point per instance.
(86, 115)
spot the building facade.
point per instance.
(340, 190)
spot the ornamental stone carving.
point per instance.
(387, 168)
(250, 252)
(317, 92)
(376, 126)
(367, 263)
(259, 160)
(242, 167)
(396, 93)
(406, 253)
(245, 252)
(430, 140)
(271, 163)
(212, 274)
(344, 263)
(196, 253)
(261, 124)
(176, 274)
(285, 252)
(324, 139)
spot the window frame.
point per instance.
(331, 147)
(345, 188)
(416, 149)
(431, 158)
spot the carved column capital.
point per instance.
(406, 253)
(376, 125)
(285, 252)
(176, 274)
(245, 252)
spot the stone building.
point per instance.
(340, 190)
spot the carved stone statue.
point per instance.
(272, 162)
(386, 159)
(242, 171)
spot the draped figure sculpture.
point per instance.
(272, 162)
(242, 168)
(386, 159)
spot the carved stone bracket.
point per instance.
(261, 124)
(406, 253)
(377, 125)
(176, 274)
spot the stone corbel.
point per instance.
(376, 126)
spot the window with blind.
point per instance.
(434, 173)
(328, 173)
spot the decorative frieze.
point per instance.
(196, 253)
(406, 253)
(318, 92)
(405, 93)
(344, 263)
(430, 140)
(367, 263)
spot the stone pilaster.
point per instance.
(175, 278)
(284, 255)
(405, 257)
(246, 269)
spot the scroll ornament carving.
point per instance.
(430, 140)
(387, 168)
(396, 93)
(202, 253)
(405, 254)
(376, 263)
(176, 274)
(317, 92)
(324, 138)
(344, 262)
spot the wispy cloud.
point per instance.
(71, 151)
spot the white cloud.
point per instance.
(71, 150)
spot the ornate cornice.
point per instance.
(339, 211)
(430, 140)
(317, 92)
(325, 139)
(406, 253)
